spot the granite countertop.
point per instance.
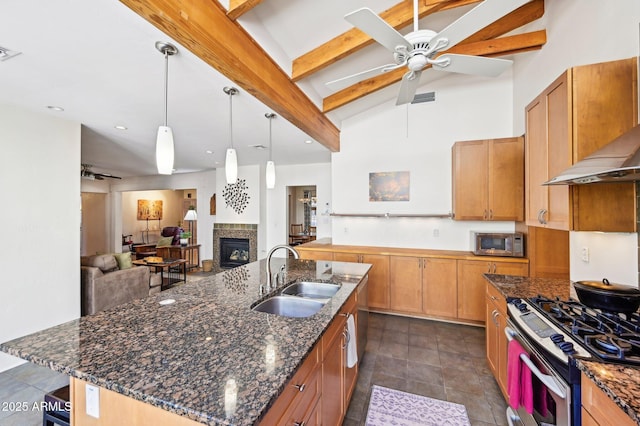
(620, 382)
(180, 356)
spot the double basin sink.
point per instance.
(300, 300)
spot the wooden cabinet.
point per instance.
(496, 340)
(338, 381)
(405, 283)
(296, 404)
(423, 285)
(378, 288)
(471, 284)
(314, 254)
(581, 111)
(488, 179)
(598, 408)
(439, 287)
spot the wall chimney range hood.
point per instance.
(618, 161)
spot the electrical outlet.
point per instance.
(584, 254)
(92, 397)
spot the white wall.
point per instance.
(581, 32)
(416, 138)
(40, 288)
(275, 206)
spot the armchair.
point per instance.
(172, 231)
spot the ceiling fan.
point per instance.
(86, 173)
(420, 48)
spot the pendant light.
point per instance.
(231, 160)
(164, 140)
(270, 176)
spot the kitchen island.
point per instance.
(206, 356)
(620, 383)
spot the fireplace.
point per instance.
(234, 244)
(233, 252)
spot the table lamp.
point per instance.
(191, 216)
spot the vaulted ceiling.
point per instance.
(281, 52)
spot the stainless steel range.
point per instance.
(554, 332)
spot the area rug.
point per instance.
(393, 407)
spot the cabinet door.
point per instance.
(491, 336)
(333, 377)
(536, 161)
(503, 349)
(439, 287)
(510, 268)
(506, 179)
(378, 286)
(405, 283)
(346, 257)
(315, 255)
(471, 289)
(559, 147)
(470, 184)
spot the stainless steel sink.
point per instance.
(289, 306)
(312, 290)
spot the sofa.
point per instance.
(108, 280)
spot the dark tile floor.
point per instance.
(430, 358)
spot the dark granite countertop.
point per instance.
(620, 382)
(181, 356)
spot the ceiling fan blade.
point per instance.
(343, 82)
(469, 64)
(408, 87)
(476, 19)
(104, 175)
(376, 27)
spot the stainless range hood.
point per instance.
(618, 161)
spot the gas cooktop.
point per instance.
(608, 336)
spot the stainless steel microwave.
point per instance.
(498, 244)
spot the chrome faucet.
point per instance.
(281, 273)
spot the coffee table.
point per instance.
(172, 271)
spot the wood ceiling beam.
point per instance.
(202, 26)
(398, 16)
(237, 8)
(497, 47)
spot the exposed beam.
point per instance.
(202, 26)
(238, 8)
(496, 47)
(398, 16)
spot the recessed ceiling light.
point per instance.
(121, 127)
(209, 151)
(258, 146)
(308, 141)
(55, 108)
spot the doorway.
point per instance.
(301, 213)
(93, 223)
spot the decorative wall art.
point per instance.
(236, 196)
(212, 205)
(389, 186)
(149, 209)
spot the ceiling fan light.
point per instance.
(164, 150)
(270, 177)
(231, 166)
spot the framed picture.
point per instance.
(149, 209)
(389, 186)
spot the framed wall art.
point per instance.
(389, 186)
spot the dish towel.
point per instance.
(519, 384)
(352, 351)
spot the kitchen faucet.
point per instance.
(283, 246)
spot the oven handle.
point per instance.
(547, 380)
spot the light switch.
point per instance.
(92, 398)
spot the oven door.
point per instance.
(549, 385)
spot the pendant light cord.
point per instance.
(270, 140)
(231, 117)
(166, 87)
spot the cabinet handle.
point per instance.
(494, 316)
(488, 268)
(540, 216)
(494, 268)
(544, 213)
(300, 387)
(484, 215)
(346, 339)
(490, 213)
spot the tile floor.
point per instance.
(430, 358)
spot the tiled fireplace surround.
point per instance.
(234, 230)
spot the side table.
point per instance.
(191, 253)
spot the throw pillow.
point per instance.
(164, 242)
(124, 260)
(106, 262)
